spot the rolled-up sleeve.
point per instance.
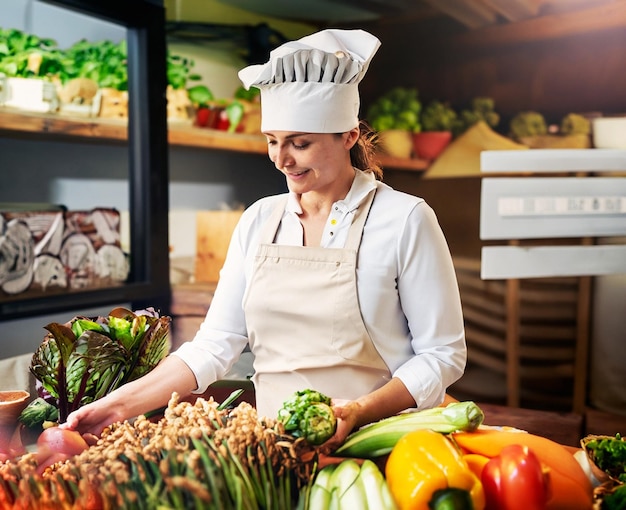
(430, 299)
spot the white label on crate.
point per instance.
(552, 207)
(532, 206)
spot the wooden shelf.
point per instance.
(61, 125)
(179, 134)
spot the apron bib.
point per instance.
(304, 322)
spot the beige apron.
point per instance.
(304, 322)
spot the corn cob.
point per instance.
(378, 439)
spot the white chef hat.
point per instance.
(311, 85)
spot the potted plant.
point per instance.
(531, 129)
(396, 116)
(438, 120)
(481, 109)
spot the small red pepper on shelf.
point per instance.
(516, 480)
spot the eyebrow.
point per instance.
(288, 137)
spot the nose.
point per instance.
(281, 157)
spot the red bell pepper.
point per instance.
(516, 480)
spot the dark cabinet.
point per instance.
(148, 281)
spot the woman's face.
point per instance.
(311, 161)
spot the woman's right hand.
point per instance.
(151, 391)
(93, 418)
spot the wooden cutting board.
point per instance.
(213, 232)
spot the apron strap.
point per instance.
(358, 222)
(268, 232)
(355, 233)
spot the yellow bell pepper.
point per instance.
(423, 462)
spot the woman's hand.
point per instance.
(93, 418)
(347, 414)
(386, 401)
(152, 391)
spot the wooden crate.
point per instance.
(213, 232)
(529, 324)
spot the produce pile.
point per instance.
(207, 456)
(197, 456)
(26, 55)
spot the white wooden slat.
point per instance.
(554, 160)
(552, 207)
(502, 262)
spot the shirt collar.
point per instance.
(362, 184)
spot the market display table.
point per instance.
(563, 428)
(566, 428)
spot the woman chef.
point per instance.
(342, 285)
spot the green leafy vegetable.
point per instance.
(247, 95)
(234, 112)
(308, 414)
(397, 109)
(200, 95)
(438, 116)
(616, 500)
(37, 412)
(179, 71)
(103, 62)
(609, 454)
(86, 359)
(482, 109)
(25, 55)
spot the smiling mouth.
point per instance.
(297, 174)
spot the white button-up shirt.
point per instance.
(406, 285)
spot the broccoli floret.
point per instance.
(308, 414)
(38, 412)
(528, 123)
(575, 124)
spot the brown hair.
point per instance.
(363, 152)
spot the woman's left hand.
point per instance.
(347, 414)
(388, 400)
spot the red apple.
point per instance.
(55, 444)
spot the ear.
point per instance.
(351, 137)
